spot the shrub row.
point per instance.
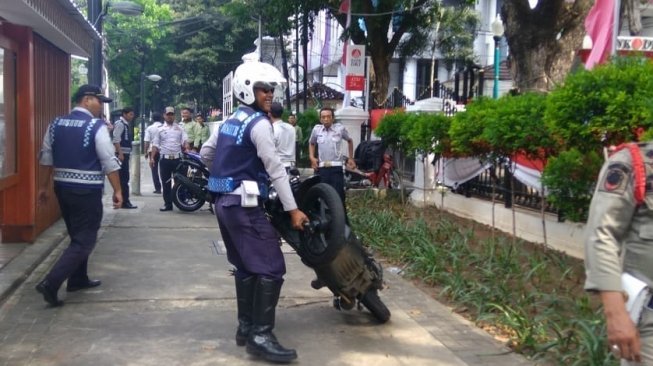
(567, 128)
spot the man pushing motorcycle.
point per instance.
(240, 171)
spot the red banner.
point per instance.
(354, 82)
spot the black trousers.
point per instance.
(166, 168)
(335, 177)
(124, 179)
(155, 173)
(82, 212)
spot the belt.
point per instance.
(328, 164)
(288, 164)
(170, 156)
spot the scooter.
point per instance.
(191, 177)
(375, 168)
(329, 246)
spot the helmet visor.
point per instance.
(265, 86)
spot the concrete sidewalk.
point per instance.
(167, 299)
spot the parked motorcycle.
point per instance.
(329, 246)
(191, 177)
(375, 168)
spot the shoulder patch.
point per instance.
(616, 178)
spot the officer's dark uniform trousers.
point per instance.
(167, 168)
(81, 209)
(155, 173)
(124, 178)
(251, 241)
(335, 177)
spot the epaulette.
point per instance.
(638, 169)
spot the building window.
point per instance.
(8, 141)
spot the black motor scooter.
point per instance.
(191, 177)
(329, 246)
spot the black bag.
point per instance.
(369, 155)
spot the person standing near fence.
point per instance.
(618, 240)
(328, 137)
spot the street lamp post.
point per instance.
(96, 14)
(497, 31)
(136, 168)
(154, 78)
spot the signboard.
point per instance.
(644, 44)
(355, 60)
(355, 68)
(354, 82)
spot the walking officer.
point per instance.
(78, 151)
(619, 239)
(122, 140)
(168, 142)
(242, 158)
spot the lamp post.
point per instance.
(497, 31)
(136, 168)
(154, 78)
(96, 14)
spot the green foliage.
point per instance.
(603, 106)
(306, 121)
(467, 128)
(530, 293)
(517, 126)
(390, 129)
(569, 179)
(457, 28)
(429, 133)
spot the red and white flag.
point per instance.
(599, 26)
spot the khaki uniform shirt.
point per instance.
(329, 142)
(618, 226)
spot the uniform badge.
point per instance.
(616, 178)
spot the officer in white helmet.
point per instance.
(244, 162)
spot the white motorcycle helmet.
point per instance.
(252, 74)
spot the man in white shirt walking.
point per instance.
(284, 136)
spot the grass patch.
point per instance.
(526, 293)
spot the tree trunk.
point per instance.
(381, 78)
(630, 10)
(543, 41)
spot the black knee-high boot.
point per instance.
(261, 341)
(245, 300)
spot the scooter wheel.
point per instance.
(373, 303)
(184, 199)
(323, 206)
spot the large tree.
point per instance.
(390, 26)
(543, 40)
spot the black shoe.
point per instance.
(266, 346)
(49, 295)
(165, 208)
(262, 342)
(317, 283)
(128, 205)
(83, 286)
(158, 191)
(245, 300)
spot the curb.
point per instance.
(14, 273)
